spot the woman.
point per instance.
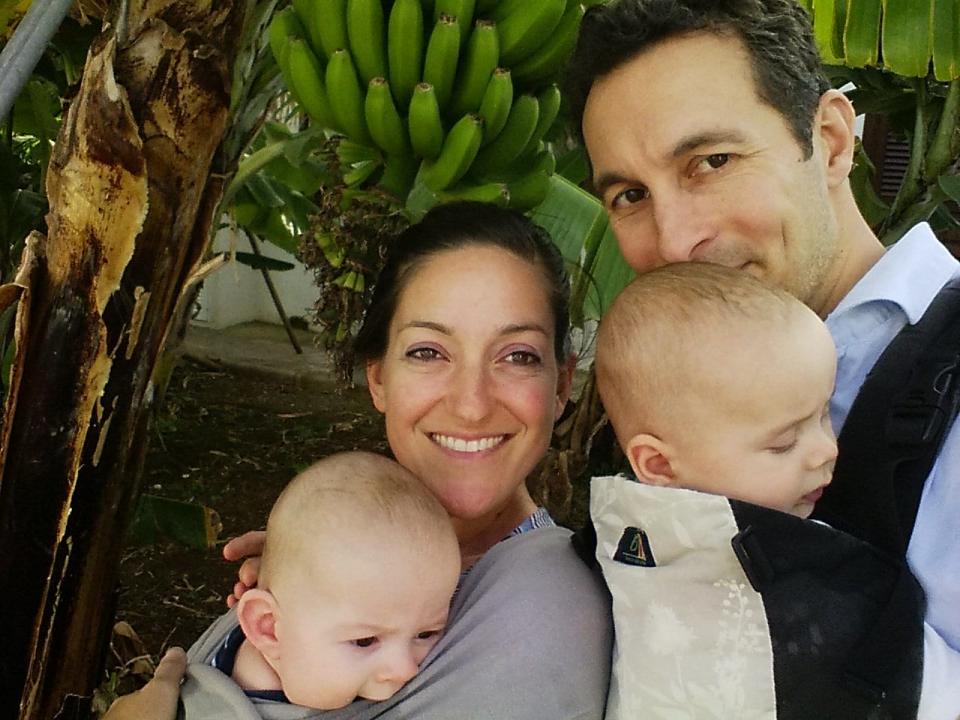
(465, 350)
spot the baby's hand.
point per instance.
(247, 547)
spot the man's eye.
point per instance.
(629, 197)
(717, 160)
(365, 642)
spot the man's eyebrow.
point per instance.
(606, 180)
(711, 137)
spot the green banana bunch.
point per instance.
(383, 121)
(365, 35)
(426, 127)
(440, 63)
(307, 83)
(512, 140)
(405, 43)
(525, 28)
(479, 62)
(548, 60)
(459, 149)
(496, 102)
(284, 26)
(347, 98)
(529, 190)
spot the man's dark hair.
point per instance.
(776, 33)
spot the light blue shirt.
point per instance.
(895, 291)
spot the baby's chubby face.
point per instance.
(364, 629)
(764, 434)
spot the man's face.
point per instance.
(691, 165)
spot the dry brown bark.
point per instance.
(133, 186)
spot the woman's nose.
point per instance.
(470, 395)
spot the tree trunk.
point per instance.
(133, 185)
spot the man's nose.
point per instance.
(825, 452)
(682, 232)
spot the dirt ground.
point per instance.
(230, 442)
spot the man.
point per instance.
(712, 136)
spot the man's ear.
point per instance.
(650, 459)
(375, 384)
(257, 612)
(833, 127)
(564, 384)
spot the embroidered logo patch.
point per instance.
(634, 549)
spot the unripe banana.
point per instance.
(495, 105)
(548, 60)
(326, 21)
(399, 172)
(459, 149)
(479, 62)
(495, 193)
(405, 49)
(306, 76)
(346, 98)
(423, 120)
(284, 26)
(383, 121)
(549, 101)
(365, 33)
(485, 7)
(523, 31)
(529, 190)
(511, 141)
(440, 62)
(462, 10)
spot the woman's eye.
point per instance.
(427, 634)
(365, 642)
(523, 357)
(423, 353)
(628, 197)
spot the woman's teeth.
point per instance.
(461, 445)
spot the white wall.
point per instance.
(237, 294)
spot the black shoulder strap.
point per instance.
(896, 427)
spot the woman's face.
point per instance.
(470, 385)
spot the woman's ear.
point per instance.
(564, 384)
(650, 459)
(833, 127)
(257, 612)
(375, 384)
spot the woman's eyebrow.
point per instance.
(510, 329)
(515, 328)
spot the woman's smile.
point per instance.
(462, 445)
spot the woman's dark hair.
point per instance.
(453, 226)
(777, 34)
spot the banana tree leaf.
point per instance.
(189, 524)
(264, 191)
(861, 183)
(950, 184)
(306, 176)
(261, 262)
(907, 36)
(946, 40)
(861, 33)
(829, 19)
(579, 227)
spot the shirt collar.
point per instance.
(909, 274)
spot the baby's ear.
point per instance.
(257, 612)
(650, 459)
